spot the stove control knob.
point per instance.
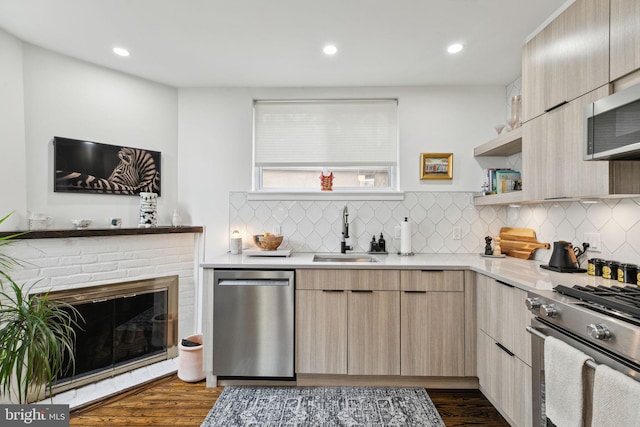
(548, 310)
(598, 332)
(533, 303)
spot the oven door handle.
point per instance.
(537, 333)
(533, 331)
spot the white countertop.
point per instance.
(523, 274)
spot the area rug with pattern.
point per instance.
(323, 406)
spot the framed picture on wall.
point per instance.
(436, 166)
(93, 167)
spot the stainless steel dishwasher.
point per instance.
(253, 323)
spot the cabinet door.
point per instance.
(567, 59)
(321, 332)
(374, 333)
(552, 154)
(587, 34)
(557, 49)
(581, 178)
(625, 37)
(536, 158)
(533, 67)
(432, 333)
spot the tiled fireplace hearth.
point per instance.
(95, 259)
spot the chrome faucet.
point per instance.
(345, 231)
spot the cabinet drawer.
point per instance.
(503, 315)
(432, 281)
(370, 280)
(506, 379)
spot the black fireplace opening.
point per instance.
(119, 331)
(122, 327)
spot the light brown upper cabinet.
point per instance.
(552, 157)
(625, 37)
(552, 154)
(567, 59)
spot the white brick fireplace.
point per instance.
(62, 263)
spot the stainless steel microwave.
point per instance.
(612, 127)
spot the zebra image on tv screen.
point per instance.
(92, 167)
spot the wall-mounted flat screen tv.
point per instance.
(93, 167)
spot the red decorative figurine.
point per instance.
(326, 182)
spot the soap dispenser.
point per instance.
(382, 244)
(373, 245)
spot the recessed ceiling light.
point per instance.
(330, 49)
(120, 51)
(455, 48)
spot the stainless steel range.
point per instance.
(602, 321)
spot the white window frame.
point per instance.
(365, 193)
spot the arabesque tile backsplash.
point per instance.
(617, 221)
(315, 226)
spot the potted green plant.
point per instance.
(36, 335)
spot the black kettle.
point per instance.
(563, 256)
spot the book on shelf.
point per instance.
(501, 180)
(507, 181)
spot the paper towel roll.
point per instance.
(405, 237)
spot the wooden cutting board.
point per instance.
(520, 242)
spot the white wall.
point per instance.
(12, 140)
(214, 157)
(70, 98)
(216, 141)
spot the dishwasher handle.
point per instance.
(253, 282)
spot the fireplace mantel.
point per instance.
(92, 232)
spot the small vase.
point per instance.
(148, 210)
(176, 219)
(516, 105)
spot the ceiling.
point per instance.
(195, 43)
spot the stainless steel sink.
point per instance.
(343, 258)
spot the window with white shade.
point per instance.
(354, 141)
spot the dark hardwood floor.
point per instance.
(172, 402)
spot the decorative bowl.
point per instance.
(267, 243)
(81, 224)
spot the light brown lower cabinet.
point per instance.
(348, 322)
(506, 380)
(374, 332)
(348, 332)
(504, 348)
(321, 332)
(432, 333)
(502, 314)
(432, 323)
(380, 322)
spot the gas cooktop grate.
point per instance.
(625, 299)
